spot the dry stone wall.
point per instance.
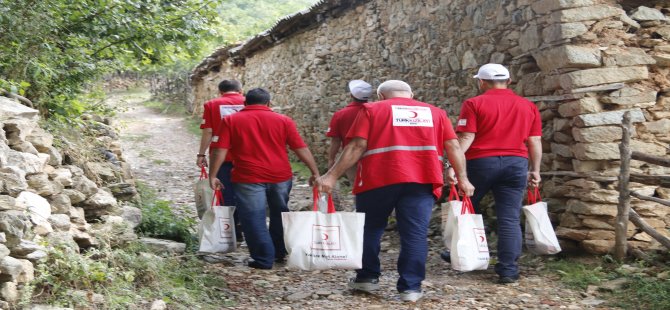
(584, 63)
(47, 201)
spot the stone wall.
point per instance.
(47, 201)
(584, 62)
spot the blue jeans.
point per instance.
(413, 204)
(229, 197)
(252, 200)
(506, 177)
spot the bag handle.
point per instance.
(453, 193)
(534, 196)
(331, 205)
(467, 207)
(203, 173)
(217, 200)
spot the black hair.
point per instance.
(230, 85)
(257, 96)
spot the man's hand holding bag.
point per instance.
(469, 249)
(539, 236)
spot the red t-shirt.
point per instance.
(342, 121)
(218, 108)
(405, 141)
(502, 122)
(258, 137)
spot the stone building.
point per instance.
(583, 62)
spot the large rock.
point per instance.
(596, 151)
(4, 251)
(55, 157)
(28, 273)
(60, 222)
(9, 292)
(588, 208)
(592, 12)
(63, 240)
(658, 127)
(105, 171)
(42, 185)
(547, 6)
(598, 195)
(559, 32)
(632, 96)
(163, 246)
(10, 269)
(74, 196)
(12, 181)
(12, 109)
(25, 248)
(60, 203)
(608, 118)
(9, 203)
(578, 107)
(598, 76)
(561, 150)
(100, 200)
(28, 163)
(63, 176)
(597, 134)
(40, 139)
(644, 14)
(531, 38)
(83, 185)
(123, 191)
(568, 56)
(627, 57)
(132, 216)
(648, 148)
(598, 246)
(4, 151)
(15, 225)
(39, 210)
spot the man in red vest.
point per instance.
(399, 144)
(229, 102)
(501, 134)
(262, 177)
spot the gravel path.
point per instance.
(161, 152)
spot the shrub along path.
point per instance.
(162, 154)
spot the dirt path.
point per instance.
(161, 152)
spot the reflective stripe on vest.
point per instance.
(402, 148)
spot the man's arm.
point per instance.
(335, 144)
(305, 155)
(535, 157)
(465, 140)
(457, 160)
(217, 159)
(205, 140)
(351, 154)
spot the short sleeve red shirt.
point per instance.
(259, 138)
(342, 121)
(405, 144)
(218, 108)
(502, 122)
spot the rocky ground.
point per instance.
(161, 152)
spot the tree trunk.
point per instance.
(623, 209)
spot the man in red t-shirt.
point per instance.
(230, 101)
(262, 174)
(343, 119)
(499, 132)
(399, 144)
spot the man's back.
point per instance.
(258, 137)
(502, 122)
(218, 108)
(342, 122)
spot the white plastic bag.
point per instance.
(203, 193)
(317, 241)
(449, 213)
(469, 249)
(217, 228)
(539, 235)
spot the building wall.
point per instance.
(556, 50)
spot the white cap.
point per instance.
(492, 72)
(360, 89)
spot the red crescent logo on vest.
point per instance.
(415, 114)
(325, 236)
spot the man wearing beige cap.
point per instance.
(342, 121)
(500, 133)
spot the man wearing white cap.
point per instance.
(343, 119)
(400, 143)
(500, 133)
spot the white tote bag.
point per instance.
(317, 241)
(539, 236)
(469, 250)
(217, 228)
(203, 193)
(449, 213)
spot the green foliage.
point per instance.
(646, 293)
(125, 277)
(577, 275)
(160, 221)
(52, 48)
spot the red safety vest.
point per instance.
(405, 144)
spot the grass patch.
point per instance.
(161, 162)
(644, 290)
(300, 170)
(126, 277)
(193, 125)
(136, 138)
(166, 108)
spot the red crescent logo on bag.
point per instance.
(482, 238)
(226, 226)
(325, 236)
